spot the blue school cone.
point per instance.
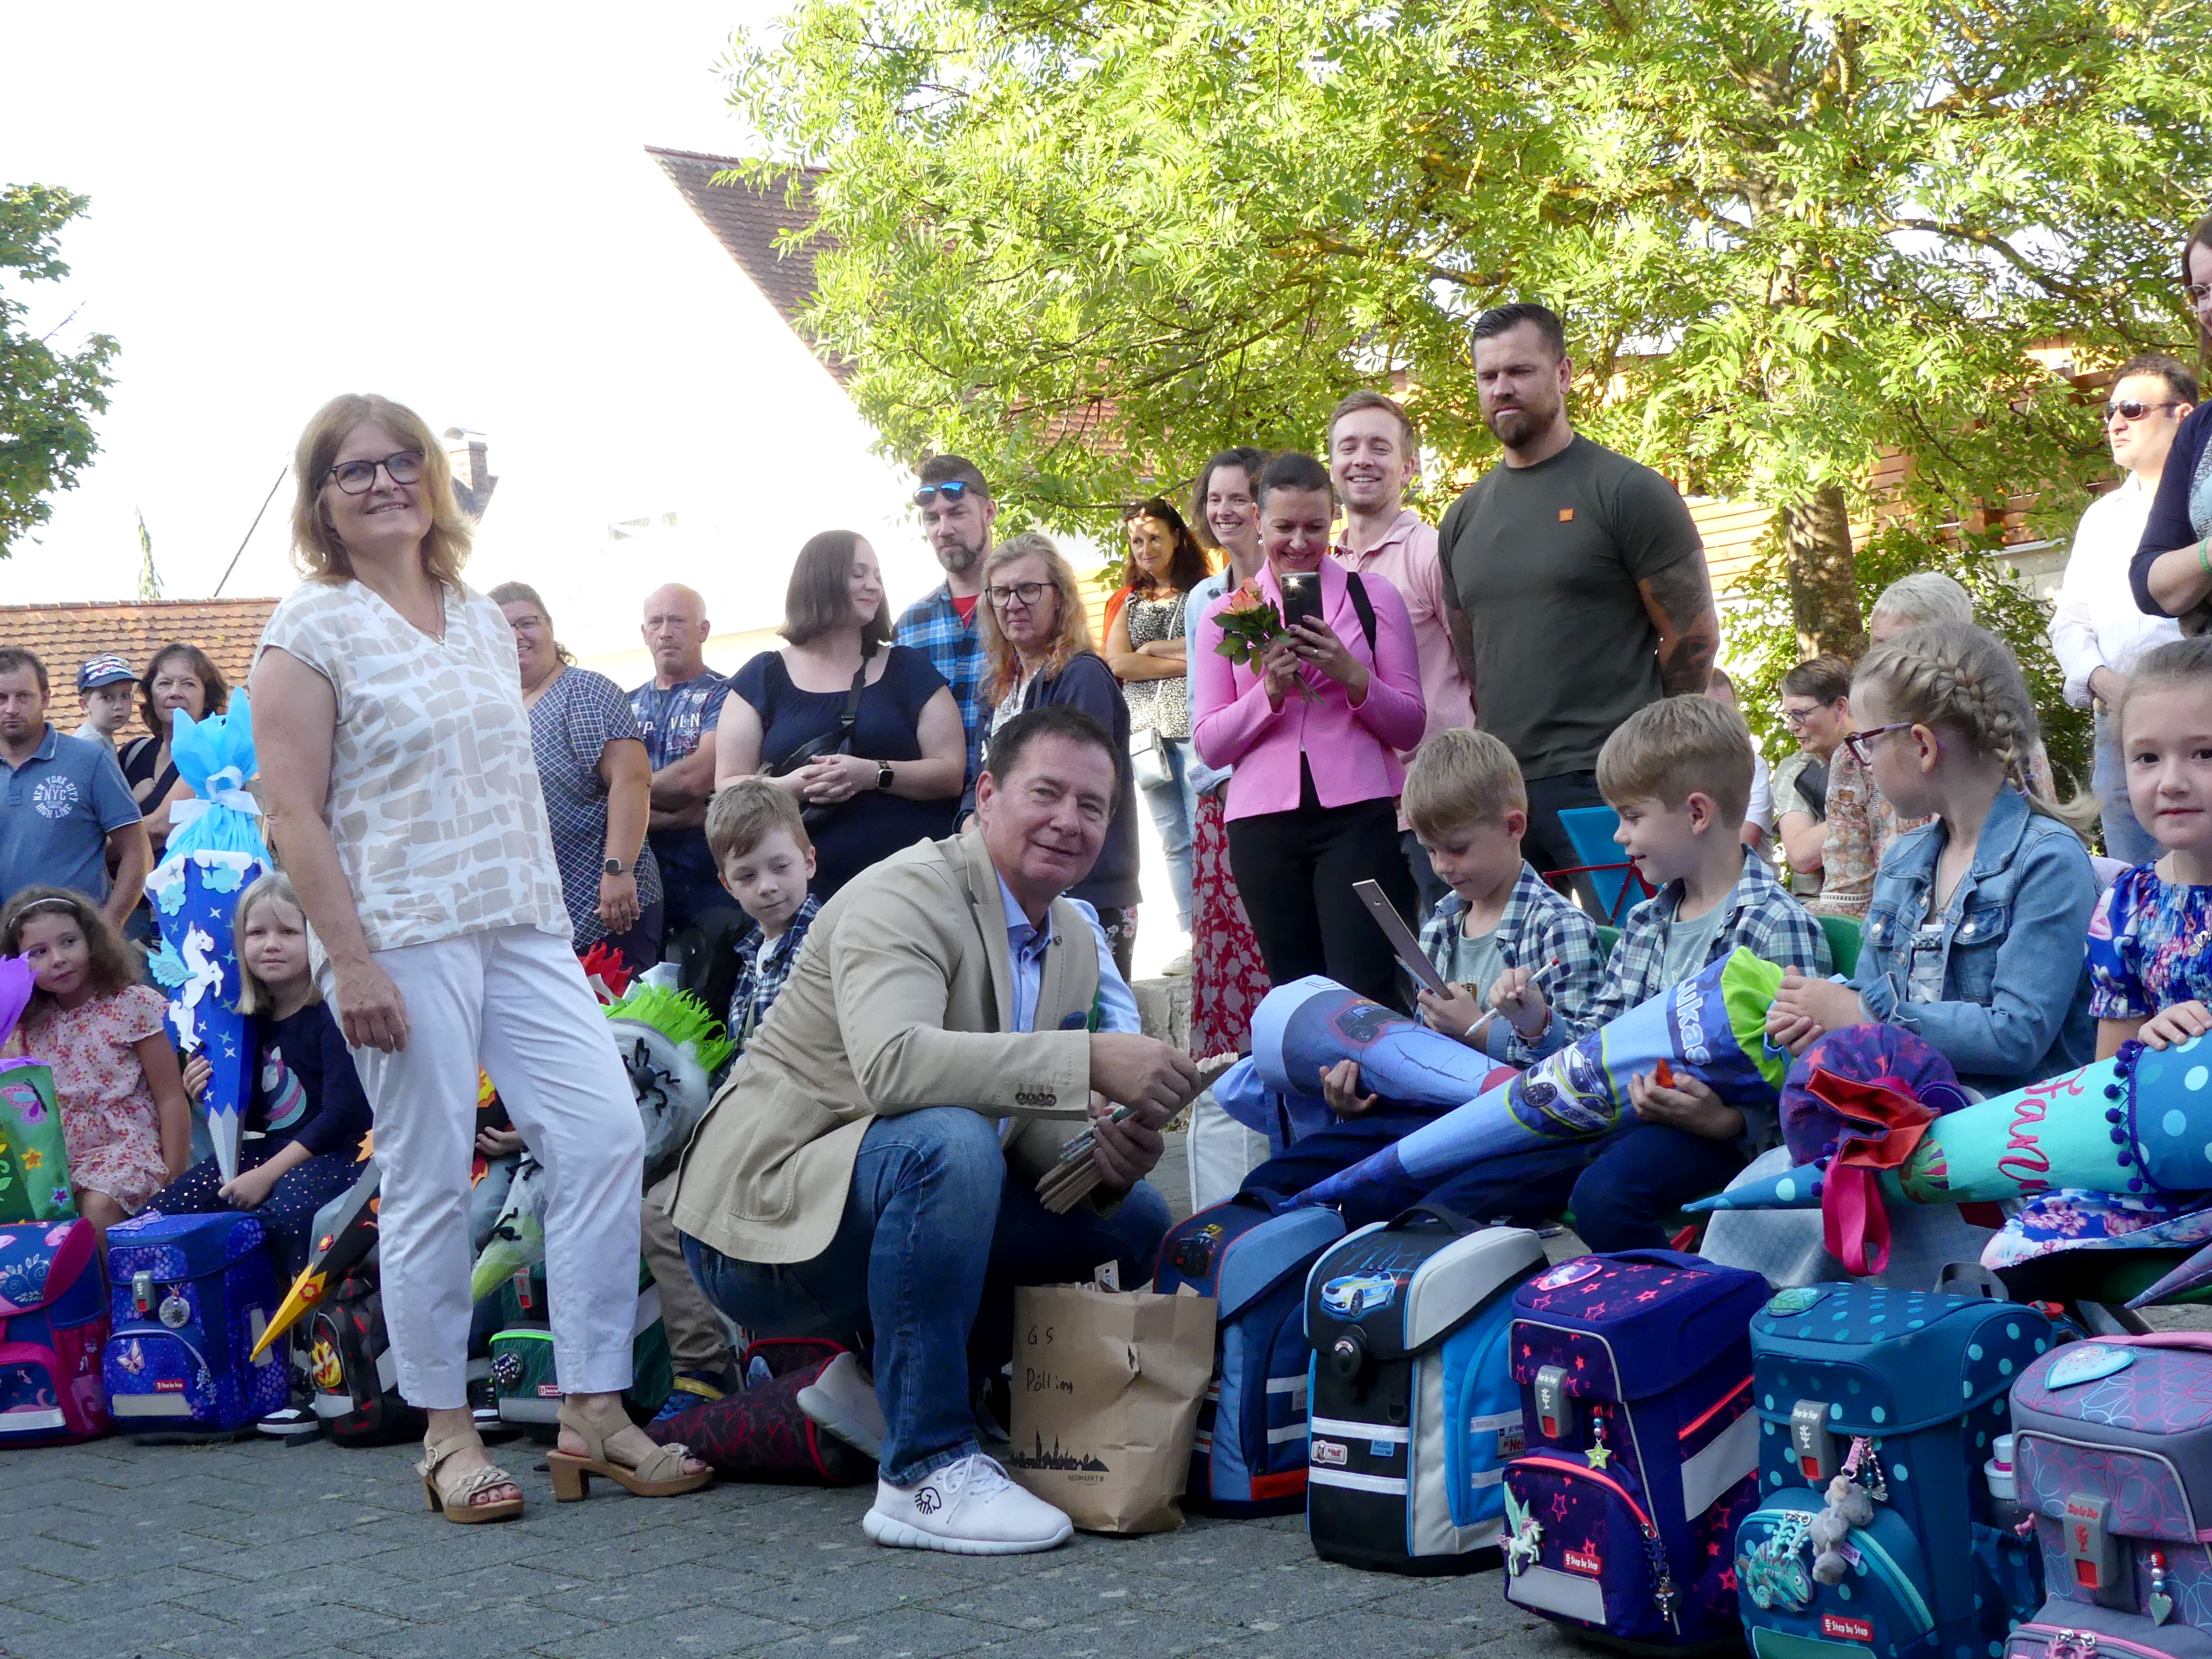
(214, 852)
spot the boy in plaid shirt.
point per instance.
(1679, 773)
(1469, 808)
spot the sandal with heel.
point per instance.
(452, 1498)
(659, 1474)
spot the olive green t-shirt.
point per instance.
(1545, 560)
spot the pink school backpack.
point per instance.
(53, 1319)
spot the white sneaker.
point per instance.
(968, 1508)
(843, 1401)
(1179, 968)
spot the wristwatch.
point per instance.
(884, 777)
(612, 868)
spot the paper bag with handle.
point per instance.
(1107, 1388)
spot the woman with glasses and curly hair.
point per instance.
(1037, 646)
(404, 801)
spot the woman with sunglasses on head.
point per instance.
(404, 801)
(882, 779)
(1036, 641)
(2171, 575)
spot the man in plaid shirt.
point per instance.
(957, 511)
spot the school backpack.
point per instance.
(758, 1431)
(1634, 1370)
(352, 1370)
(2113, 1453)
(190, 1296)
(53, 1319)
(1413, 1409)
(1248, 1455)
(1875, 1529)
(524, 1377)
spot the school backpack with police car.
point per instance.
(1875, 1529)
(1413, 1408)
(191, 1296)
(1634, 1370)
(1249, 1455)
(2112, 1454)
(53, 1319)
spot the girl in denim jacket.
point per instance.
(1974, 936)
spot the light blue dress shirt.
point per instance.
(1026, 943)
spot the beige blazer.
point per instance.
(902, 998)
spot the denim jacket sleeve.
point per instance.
(2034, 975)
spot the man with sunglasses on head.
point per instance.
(956, 512)
(2096, 631)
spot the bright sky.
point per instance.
(452, 207)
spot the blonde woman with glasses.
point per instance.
(404, 801)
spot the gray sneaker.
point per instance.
(843, 1401)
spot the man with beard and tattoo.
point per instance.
(957, 511)
(1574, 579)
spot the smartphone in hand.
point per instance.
(1301, 596)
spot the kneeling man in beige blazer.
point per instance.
(872, 1162)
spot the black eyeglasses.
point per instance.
(356, 477)
(1022, 593)
(2132, 409)
(952, 489)
(1857, 742)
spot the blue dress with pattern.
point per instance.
(2150, 947)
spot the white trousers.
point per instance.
(1221, 1153)
(513, 1001)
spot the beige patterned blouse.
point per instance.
(434, 802)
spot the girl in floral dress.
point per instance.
(122, 1097)
(2150, 947)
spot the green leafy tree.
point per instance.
(47, 397)
(1087, 244)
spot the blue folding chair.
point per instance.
(1609, 874)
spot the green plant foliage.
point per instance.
(1088, 243)
(47, 397)
(1759, 647)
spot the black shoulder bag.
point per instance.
(838, 740)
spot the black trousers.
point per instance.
(1547, 845)
(1295, 871)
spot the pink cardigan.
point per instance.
(1350, 752)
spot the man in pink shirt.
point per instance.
(1372, 452)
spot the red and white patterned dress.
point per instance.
(1228, 979)
(108, 1115)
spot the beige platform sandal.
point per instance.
(660, 1475)
(451, 1498)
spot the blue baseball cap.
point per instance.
(103, 671)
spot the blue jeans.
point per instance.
(1162, 776)
(1620, 1189)
(1321, 1153)
(933, 1241)
(2124, 839)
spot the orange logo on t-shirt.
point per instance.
(1566, 514)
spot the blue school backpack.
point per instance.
(190, 1296)
(1900, 1393)
(1413, 1407)
(1634, 1371)
(1248, 1456)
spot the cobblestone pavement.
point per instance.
(257, 1549)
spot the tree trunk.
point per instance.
(1824, 595)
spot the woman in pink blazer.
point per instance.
(1311, 806)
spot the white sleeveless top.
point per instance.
(434, 802)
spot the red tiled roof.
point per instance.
(63, 636)
(747, 221)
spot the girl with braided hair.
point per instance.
(1974, 936)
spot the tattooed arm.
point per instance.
(1679, 600)
(1462, 643)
